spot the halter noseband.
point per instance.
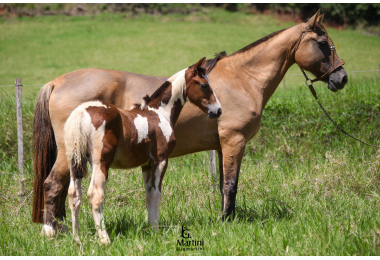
(333, 53)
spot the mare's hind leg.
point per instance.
(220, 157)
(75, 195)
(153, 179)
(96, 196)
(55, 186)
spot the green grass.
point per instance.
(304, 188)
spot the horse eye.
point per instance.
(323, 43)
(204, 85)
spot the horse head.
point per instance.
(199, 91)
(315, 52)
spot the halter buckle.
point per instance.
(308, 82)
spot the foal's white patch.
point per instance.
(77, 128)
(164, 111)
(158, 173)
(178, 85)
(96, 103)
(164, 117)
(96, 142)
(141, 124)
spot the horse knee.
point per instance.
(51, 190)
(97, 199)
(71, 191)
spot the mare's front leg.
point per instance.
(153, 175)
(233, 145)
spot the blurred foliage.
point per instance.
(352, 14)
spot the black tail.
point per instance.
(44, 150)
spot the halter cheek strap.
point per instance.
(332, 50)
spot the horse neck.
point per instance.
(169, 99)
(264, 65)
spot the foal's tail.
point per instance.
(44, 149)
(77, 131)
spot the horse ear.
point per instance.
(200, 63)
(197, 67)
(320, 18)
(311, 22)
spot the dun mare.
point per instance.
(243, 81)
(142, 136)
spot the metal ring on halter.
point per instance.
(332, 50)
(308, 82)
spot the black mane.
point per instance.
(265, 38)
(156, 93)
(210, 64)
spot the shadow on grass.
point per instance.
(271, 208)
(127, 225)
(130, 226)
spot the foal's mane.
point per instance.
(210, 64)
(147, 98)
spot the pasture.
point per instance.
(304, 188)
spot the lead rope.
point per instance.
(309, 83)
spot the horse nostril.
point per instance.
(344, 80)
(219, 111)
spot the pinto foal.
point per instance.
(143, 136)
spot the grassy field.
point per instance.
(304, 188)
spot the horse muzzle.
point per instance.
(214, 111)
(337, 79)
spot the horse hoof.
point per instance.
(77, 239)
(62, 228)
(48, 231)
(105, 240)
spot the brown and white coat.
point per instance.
(109, 137)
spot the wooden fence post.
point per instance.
(20, 139)
(213, 167)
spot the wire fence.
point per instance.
(265, 119)
(286, 75)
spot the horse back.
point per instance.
(119, 88)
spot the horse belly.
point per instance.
(194, 132)
(128, 157)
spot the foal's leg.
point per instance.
(96, 195)
(153, 179)
(75, 195)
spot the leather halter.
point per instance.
(332, 50)
(309, 82)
